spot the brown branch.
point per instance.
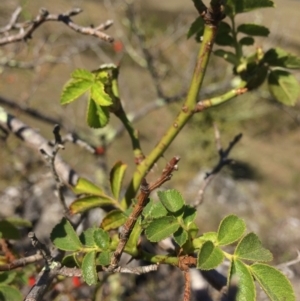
(33, 139)
(223, 160)
(21, 262)
(187, 286)
(26, 29)
(142, 201)
(12, 22)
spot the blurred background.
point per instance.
(263, 186)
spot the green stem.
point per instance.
(237, 45)
(133, 133)
(215, 101)
(182, 118)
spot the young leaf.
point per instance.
(9, 293)
(161, 228)
(85, 186)
(180, 236)
(189, 215)
(92, 117)
(74, 89)
(278, 57)
(97, 116)
(226, 55)
(8, 230)
(209, 256)
(209, 236)
(230, 230)
(154, 210)
(134, 237)
(83, 75)
(90, 202)
(87, 238)
(116, 178)
(64, 237)
(70, 261)
(197, 27)
(242, 6)
(250, 248)
(101, 239)
(246, 286)
(253, 30)
(273, 282)
(284, 87)
(113, 220)
(171, 199)
(246, 41)
(88, 267)
(19, 222)
(99, 95)
(104, 258)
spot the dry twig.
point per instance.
(142, 201)
(26, 29)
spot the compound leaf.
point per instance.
(171, 199)
(64, 237)
(273, 282)
(250, 248)
(116, 178)
(246, 286)
(161, 228)
(284, 87)
(90, 202)
(209, 256)
(88, 267)
(230, 230)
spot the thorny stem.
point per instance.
(182, 118)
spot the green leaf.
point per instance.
(87, 238)
(280, 58)
(223, 36)
(253, 30)
(230, 230)
(8, 230)
(209, 256)
(134, 237)
(273, 282)
(193, 230)
(226, 55)
(97, 117)
(7, 277)
(161, 228)
(101, 239)
(180, 236)
(99, 95)
(250, 248)
(19, 222)
(92, 117)
(284, 87)
(104, 258)
(74, 89)
(88, 267)
(90, 202)
(242, 6)
(9, 293)
(171, 199)
(113, 220)
(197, 27)
(116, 178)
(189, 215)
(246, 41)
(83, 75)
(246, 286)
(208, 236)
(85, 186)
(154, 210)
(70, 261)
(64, 237)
